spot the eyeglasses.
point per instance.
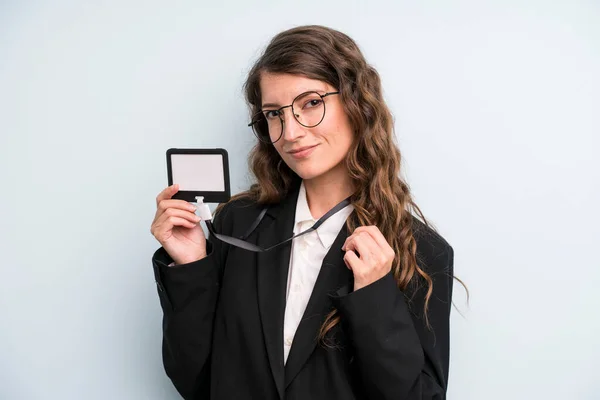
(307, 108)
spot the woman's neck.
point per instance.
(325, 192)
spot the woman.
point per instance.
(356, 309)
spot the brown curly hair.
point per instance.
(383, 199)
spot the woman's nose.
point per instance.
(291, 127)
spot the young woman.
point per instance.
(355, 309)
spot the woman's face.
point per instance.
(330, 140)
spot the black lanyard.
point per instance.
(252, 247)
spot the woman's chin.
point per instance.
(307, 173)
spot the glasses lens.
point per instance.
(309, 109)
(267, 126)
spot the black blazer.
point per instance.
(223, 320)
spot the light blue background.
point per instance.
(497, 110)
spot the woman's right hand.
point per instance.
(177, 228)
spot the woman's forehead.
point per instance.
(283, 88)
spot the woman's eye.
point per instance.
(271, 114)
(313, 103)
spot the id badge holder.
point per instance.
(202, 174)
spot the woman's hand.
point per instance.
(177, 228)
(374, 259)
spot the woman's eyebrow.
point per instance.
(265, 105)
(269, 105)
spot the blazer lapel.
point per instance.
(272, 269)
(333, 275)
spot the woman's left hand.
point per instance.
(375, 256)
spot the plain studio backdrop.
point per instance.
(497, 115)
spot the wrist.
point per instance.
(189, 260)
(359, 284)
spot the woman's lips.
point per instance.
(304, 153)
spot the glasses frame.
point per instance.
(261, 112)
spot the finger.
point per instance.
(375, 233)
(173, 212)
(169, 223)
(352, 238)
(366, 229)
(349, 243)
(367, 248)
(167, 193)
(166, 224)
(352, 261)
(348, 239)
(164, 205)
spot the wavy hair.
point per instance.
(383, 199)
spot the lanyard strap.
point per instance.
(257, 249)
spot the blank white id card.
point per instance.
(199, 172)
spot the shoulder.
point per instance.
(434, 253)
(236, 214)
(235, 206)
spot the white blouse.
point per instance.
(308, 252)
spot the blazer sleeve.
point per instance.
(188, 296)
(396, 354)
